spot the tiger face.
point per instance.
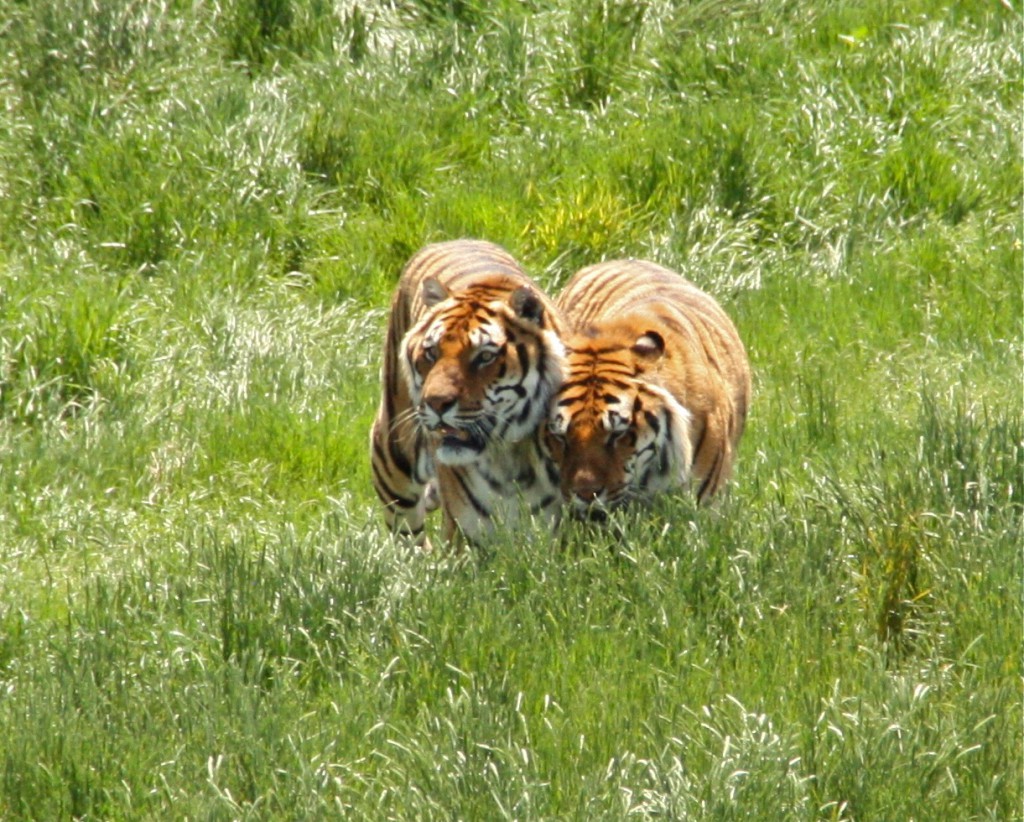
(616, 436)
(479, 373)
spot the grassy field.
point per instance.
(203, 210)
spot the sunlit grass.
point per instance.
(203, 212)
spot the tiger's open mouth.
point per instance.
(451, 437)
(598, 510)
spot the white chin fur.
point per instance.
(456, 455)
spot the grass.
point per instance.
(203, 211)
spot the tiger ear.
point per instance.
(649, 344)
(527, 304)
(434, 292)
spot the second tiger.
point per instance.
(656, 390)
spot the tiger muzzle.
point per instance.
(443, 420)
(586, 490)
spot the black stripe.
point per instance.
(591, 366)
(399, 459)
(527, 476)
(544, 502)
(389, 496)
(652, 421)
(463, 269)
(394, 455)
(551, 469)
(524, 356)
(590, 381)
(477, 505)
(712, 474)
(645, 478)
(495, 484)
(378, 452)
(425, 262)
(664, 461)
(593, 352)
(515, 388)
(700, 444)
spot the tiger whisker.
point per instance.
(405, 416)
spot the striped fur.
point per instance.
(656, 388)
(472, 358)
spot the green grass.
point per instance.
(203, 211)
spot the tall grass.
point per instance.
(203, 210)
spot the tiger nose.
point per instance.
(586, 486)
(440, 404)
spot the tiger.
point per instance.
(656, 389)
(472, 357)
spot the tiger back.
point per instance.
(656, 389)
(472, 357)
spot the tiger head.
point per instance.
(481, 371)
(615, 434)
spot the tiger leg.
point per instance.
(454, 536)
(712, 461)
(398, 479)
